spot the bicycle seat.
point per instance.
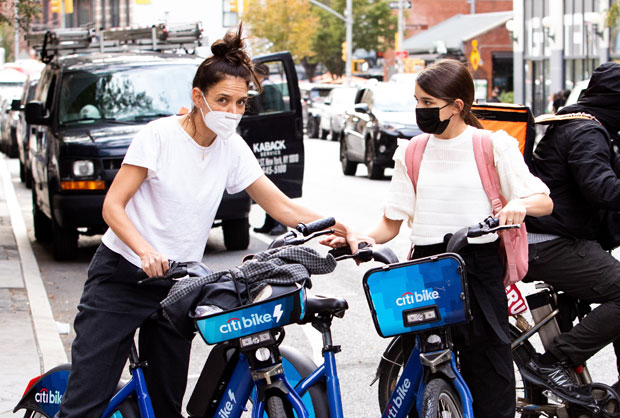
(323, 304)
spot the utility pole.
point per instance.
(347, 18)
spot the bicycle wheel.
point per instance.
(277, 408)
(528, 394)
(440, 401)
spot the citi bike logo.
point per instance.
(401, 393)
(228, 406)
(255, 319)
(45, 396)
(409, 298)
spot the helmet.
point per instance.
(90, 112)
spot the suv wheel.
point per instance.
(42, 224)
(348, 167)
(312, 129)
(64, 241)
(374, 171)
(236, 234)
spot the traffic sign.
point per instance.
(402, 54)
(394, 4)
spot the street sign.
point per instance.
(402, 54)
(394, 4)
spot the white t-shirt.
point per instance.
(173, 209)
(450, 190)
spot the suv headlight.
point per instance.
(83, 168)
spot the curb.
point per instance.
(49, 345)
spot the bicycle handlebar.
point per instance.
(315, 226)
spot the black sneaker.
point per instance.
(556, 375)
(279, 229)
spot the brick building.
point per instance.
(494, 42)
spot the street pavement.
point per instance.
(29, 339)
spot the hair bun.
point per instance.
(231, 48)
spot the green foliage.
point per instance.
(26, 10)
(613, 14)
(507, 97)
(7, 39)
(373, 21)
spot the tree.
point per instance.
(289, 25)
(373, 23)
(26, 10)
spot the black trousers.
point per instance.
(112, 307)
(483, 345)
(585, 271)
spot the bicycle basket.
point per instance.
(417, 295)
(261, 316)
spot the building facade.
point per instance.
(557, 43)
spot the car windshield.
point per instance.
(394, 99)
(9, 91)
(344, 96)
(126, 94)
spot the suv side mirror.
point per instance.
(16, 104)
(361, 107)
(36, 114)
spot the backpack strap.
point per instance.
(483, 152)
(413, 156)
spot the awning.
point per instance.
(453, 32)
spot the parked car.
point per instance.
(333, 111)
(11, 87)
(87, 108)
(315, 98)
(383, 113)
(22, 129)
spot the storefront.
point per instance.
(556, 44)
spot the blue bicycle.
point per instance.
(423, 298)
(248, 362)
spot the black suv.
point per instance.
(87, 108)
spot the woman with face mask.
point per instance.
(161, 206)
(448, 196)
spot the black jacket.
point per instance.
(577, 162)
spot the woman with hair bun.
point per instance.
(448, 196)
(160, 207)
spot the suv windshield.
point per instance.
(394, 99)
(126, 94)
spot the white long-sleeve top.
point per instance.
(449, 190)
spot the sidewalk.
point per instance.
(29, 339)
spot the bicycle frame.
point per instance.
(411, 384)
(137, 386)
(241, 387)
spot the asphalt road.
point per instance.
(355, 200)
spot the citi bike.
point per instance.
(247, 363)
(553, 312)
(441, 391)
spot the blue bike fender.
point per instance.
(44, 394)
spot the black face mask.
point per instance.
(428, 120)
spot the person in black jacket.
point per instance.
(576, 159)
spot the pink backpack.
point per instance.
(513, 241)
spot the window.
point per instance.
(230, 13)
(275, 95)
